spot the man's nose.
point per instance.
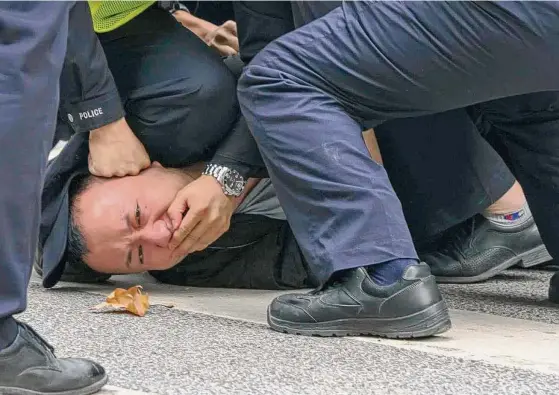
(158, 234)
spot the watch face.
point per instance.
(233, 183)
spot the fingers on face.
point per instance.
(209, 233)
(187, 225)
(178, 212)
(199, 233)
(192, 227)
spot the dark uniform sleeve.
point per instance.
(258, 23)
(239, 151)
(89, 98)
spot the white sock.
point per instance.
(513, 219)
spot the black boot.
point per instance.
(554, 288)
(353, 304)
(29, 367)
(478, 250)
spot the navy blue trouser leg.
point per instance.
(33, 44)
(442, 170)
(307, 96)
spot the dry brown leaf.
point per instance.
(132, 300)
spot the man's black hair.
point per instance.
(76, 249)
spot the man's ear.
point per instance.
(156, 164)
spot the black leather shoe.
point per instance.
(29, 367)
(353, 304)
(478, 250)
(73, 273)
(554, 288)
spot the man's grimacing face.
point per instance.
(124, 220)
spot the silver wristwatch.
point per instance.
(231, 181)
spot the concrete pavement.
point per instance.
(505, 340)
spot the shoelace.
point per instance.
(333, 282)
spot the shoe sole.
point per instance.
(535, 257)
(527, 259)
(429, 322)
(92, 389)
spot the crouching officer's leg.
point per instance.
(32, 50)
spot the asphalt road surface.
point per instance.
(505, 340)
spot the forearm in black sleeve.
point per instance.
(259, 23)
(239, 151)
(89, 98)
